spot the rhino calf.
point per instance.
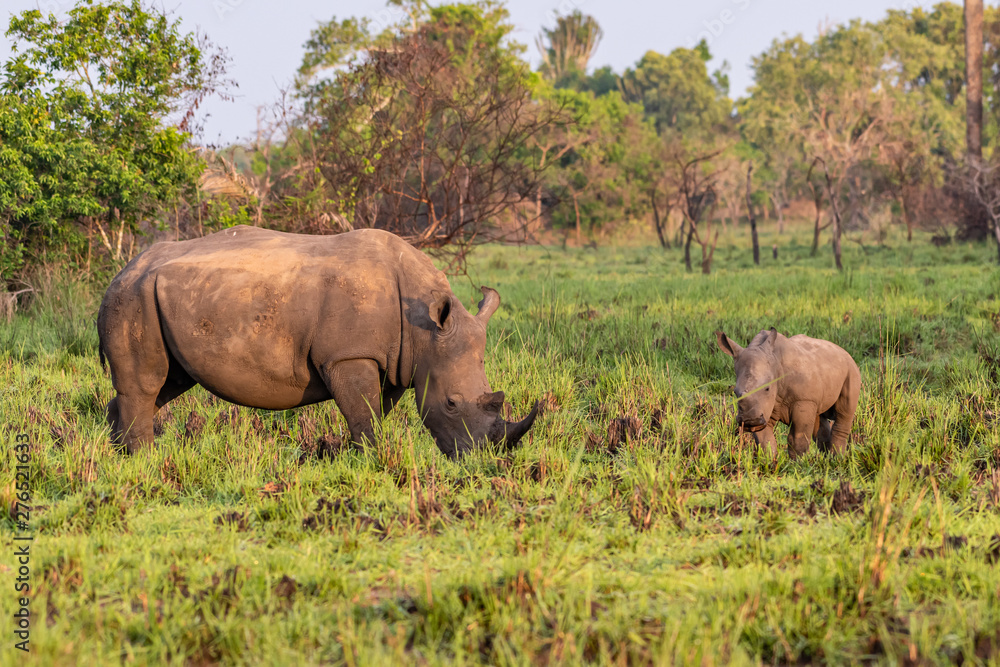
(272, 320)
(810, 384)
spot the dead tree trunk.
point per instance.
(818, 204)
(687, 247)
(659, 222)
(752, 218)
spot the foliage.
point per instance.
(678, 93)
(94, 124)
(423, 136)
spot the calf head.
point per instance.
(454, 398)
(756, 372)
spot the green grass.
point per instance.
(631, 526)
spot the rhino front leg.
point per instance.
(765, 438)
(354, 385)
(802, 427)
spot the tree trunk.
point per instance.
(996, 233)
(659, 222)
(816, 230)
(974, 78)
(753, 219)
(687, 247)
(907, 220)
(576, 209)
(836, 220)
(779, 210)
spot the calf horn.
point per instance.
(509, 434)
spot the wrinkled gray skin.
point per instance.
(810, 384)
(277, 321)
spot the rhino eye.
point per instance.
(451, 403)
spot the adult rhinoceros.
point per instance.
(272, 320)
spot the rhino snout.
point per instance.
(752, 422)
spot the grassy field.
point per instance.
(631, 528)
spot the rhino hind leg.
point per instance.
(842, 423)
(824, 434)
(354, 385)
(130, 413)
(131, 419)
(177, 382)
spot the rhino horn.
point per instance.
(489, 304)
(509, 434)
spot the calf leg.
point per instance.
(354, 385)
(803, 425)
(843, 410)
(824, 424)
(765, 438)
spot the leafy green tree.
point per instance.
(95, 117)
(677, 91)
(588, 159)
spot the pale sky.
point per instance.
(265, 38)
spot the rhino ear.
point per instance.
(728, 346)
(764, 338)
(440, 308)
(489, 304)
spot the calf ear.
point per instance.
(728, 346)
(765, 338)
(440, 308)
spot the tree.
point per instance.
(595, 148)
(424, 134)
(567, 49)
(678, 93)
(95, 118)
(983, 184)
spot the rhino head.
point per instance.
(454, 398)
(756, 372)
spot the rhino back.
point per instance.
(250, 313)
(813, 369)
